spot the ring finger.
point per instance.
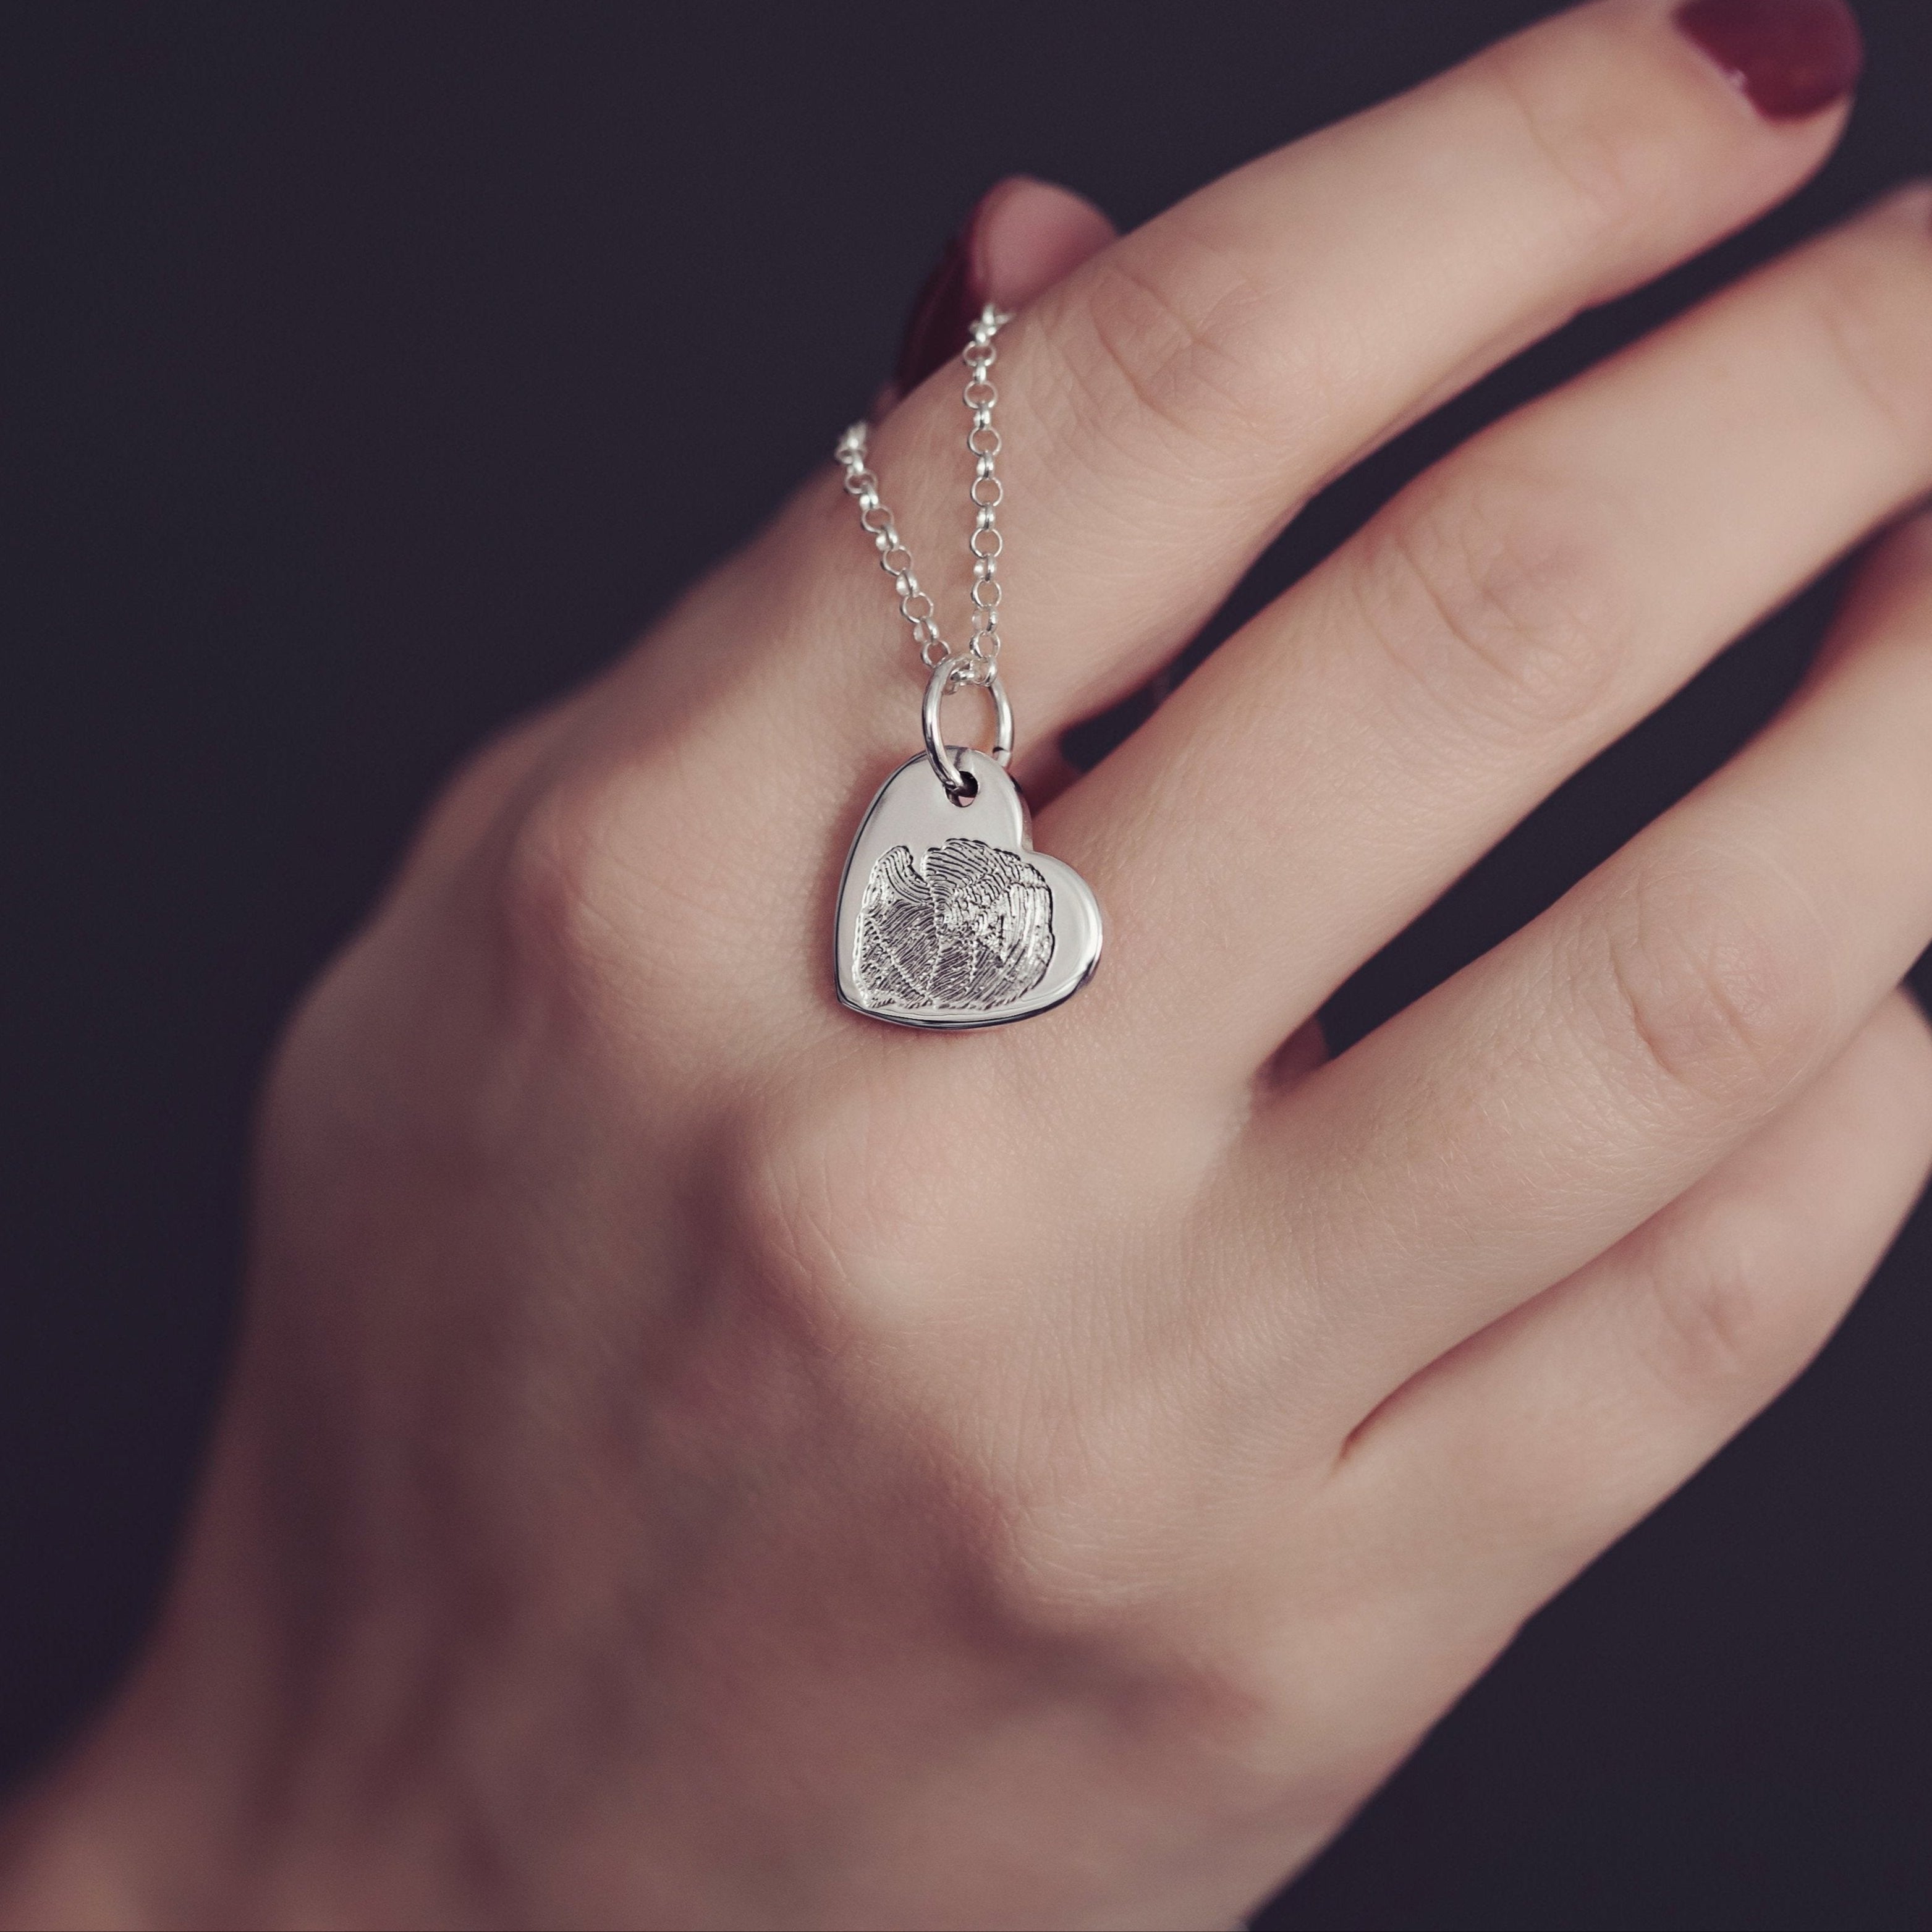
(1590, 1069)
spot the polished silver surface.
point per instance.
(947, 917)
(949, 676)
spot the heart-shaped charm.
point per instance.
(948, 917)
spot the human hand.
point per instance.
(700, 1457)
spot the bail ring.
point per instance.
(946, 674)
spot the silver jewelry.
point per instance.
(947, 917)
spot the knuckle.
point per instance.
(842, 1198)
(806, 1228)
(590, 904)
(1180, 342)
(1611, 159)
(848, 1205)
(1871, 315)
(560, 909)
(1060, 1516)
(1708, 1318)
(482, 788)
(1186, 1630)
(1495, 593)
(1718, 985)
(850, 1230)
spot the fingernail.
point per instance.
(1788, 58)
(944, 310)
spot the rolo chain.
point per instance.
(976, 664)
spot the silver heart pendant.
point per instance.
(948, 917)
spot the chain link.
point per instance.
(981, 657)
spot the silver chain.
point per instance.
(977, 663)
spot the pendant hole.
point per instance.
(969, 790)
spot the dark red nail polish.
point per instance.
(1788, 58)
(943, 311)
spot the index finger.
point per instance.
(1168, 405)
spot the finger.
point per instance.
(1169, 405)
(1362, 742)
(1499, 1471)
(1552, 1096)
(1020, 239)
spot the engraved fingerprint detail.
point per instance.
(972, 928)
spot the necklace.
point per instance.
(947, 917)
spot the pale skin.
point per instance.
(698, 1457)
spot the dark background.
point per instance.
(368, 375)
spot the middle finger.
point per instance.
(1361, 743)
(1189, 387)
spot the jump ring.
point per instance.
(947, 672)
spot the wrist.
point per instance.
(223, 1786)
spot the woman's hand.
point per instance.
(700, 1457)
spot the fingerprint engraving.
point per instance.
(971, 928)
